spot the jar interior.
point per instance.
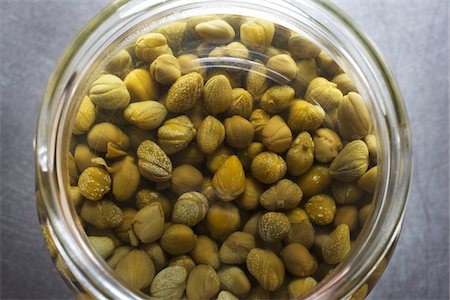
(303, 24)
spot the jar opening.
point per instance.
(118, 26)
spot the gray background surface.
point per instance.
(412, 35)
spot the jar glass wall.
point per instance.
(120, 24)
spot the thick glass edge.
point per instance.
(110, 11)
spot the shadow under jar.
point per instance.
(276, 60)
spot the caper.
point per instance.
(178, 239)
(321, 209)
(315, 180)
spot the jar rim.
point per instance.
(84, 263)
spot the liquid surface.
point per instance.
(228, 146)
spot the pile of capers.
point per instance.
(222, 157)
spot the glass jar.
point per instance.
(118, 25)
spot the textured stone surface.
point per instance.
(411, 34)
